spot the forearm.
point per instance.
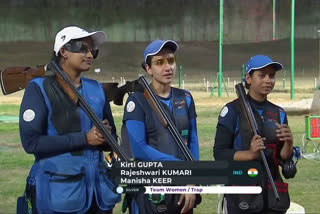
(244, 156)
(286, 151)
(223, 144)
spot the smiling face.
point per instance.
(163, 67)
(261, 82)
(79, 60)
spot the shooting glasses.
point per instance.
(78, 46)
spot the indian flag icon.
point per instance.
(252, 172)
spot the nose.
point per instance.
(269, 79)
(166, 65)
(89, 55)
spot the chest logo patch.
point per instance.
(224, 111)
(131, 106)
(28, 115)
(180, 104)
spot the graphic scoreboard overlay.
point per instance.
(188, 177)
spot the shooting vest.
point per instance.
(266, 114)
(158, 136)
(67, 182)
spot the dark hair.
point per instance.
(55, 57)
(245, 82)
(148, 62)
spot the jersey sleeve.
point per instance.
(191, 106)
(134, 118)
(224, 139)
(133, 110)
(193, 142)
(33, 120)
(283, 116)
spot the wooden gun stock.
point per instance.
(16, 78)
(247, 110)
(116, 94)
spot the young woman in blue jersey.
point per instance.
(149, 140)
(234, 141)
(69, 173)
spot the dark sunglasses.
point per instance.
(81, 47)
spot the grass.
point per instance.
(15, 163)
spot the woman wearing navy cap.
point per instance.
(233, 140)
(69, 174)
(148, 139)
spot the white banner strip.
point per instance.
(203, 189)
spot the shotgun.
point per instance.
(116, 94)
(165, 120)
(13, 79)
(91, 114)
(16, 78)
(254, 127)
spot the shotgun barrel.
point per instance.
(164, 118)
(254, 127)
(92, 115)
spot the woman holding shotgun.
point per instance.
(69, 174)
(234, 140)
(148, 139)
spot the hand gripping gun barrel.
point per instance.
(91, 114)
(247, 110)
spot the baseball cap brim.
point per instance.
(98, 37)
(156, 46)
(73, 32)
(277, 66)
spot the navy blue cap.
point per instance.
(261, 61)
(155, 47)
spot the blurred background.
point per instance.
(250, 27)
(28, 28)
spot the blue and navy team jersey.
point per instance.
(54, 129)
(142, 126)
(228, 138)
(33, 124)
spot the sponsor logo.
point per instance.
(131, 106)
(161, 208)
(224, 111)
(243, 205)
(180, 104)
(28, 115)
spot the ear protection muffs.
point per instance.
(289, 168)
